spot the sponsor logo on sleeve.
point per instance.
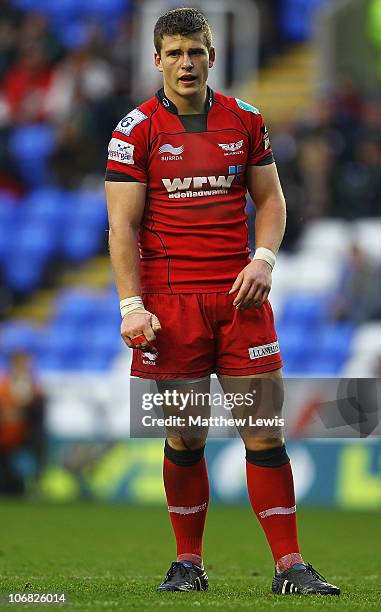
(121, 151)
(266, 138)
(130, 121)
(247, 107)
(232, 148)
(257, 352)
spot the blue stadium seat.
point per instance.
(35, 238)
(79, 243)
(297, 16)
(72, 34)
(103, 338)
(30, 147)
(294, 343)
(334, 338)
(91, 210)
(85, 224)
(96, 362)
(72, 354)
(330, 365)
(25, 256)
(6, 240)
(290, 365)
(60, 344)
(46, 205)
(28, 5)
(109, 8)
(304, 310)
(72, 8)
(49, 361)
(290, 335)
(18, 336)
(8, 203)
(321, 350)
(65, 11)
(73, 306)
(61, 337)
(3, 363)
(8, 214)
(84, 334)
(106, 310)
(73, 20)
(23, 272)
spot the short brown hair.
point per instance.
(183, 21)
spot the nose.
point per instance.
(187, 61)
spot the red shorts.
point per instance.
(204, 333)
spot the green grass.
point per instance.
(112, 557)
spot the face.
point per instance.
(185, 62)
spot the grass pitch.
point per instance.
(112, 558)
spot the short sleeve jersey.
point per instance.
(193, 236)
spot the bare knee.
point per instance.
(258, 444)
(181, 443)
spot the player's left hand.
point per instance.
(253, 284)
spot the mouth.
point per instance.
(188, 79)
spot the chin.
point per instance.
(190, 90)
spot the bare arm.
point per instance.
(266, 191)
(125, 204)
(253, 283)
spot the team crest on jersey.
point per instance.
(173, 153)
(120, 151)
(232, 148)
(130, 121)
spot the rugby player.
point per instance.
(192, 301)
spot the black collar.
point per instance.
(172, 108)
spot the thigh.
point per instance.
(185, 345)
(247, 343)
(190, 401)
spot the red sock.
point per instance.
(187, 490)
(271, 492)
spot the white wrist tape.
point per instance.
(135, 303)
(265, 255)
(130, 304)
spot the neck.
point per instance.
(190, 105)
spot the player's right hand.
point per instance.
(140, 323)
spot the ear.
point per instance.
(157, 60)
(212, 56)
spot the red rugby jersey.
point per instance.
(193, 235)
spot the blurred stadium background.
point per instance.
(68, 71)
